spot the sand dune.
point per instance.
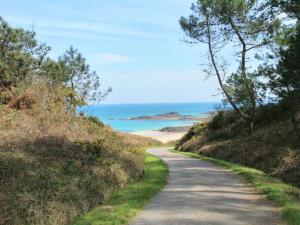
(161, 136)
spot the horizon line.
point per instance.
(149, 103)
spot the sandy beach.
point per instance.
(161, 136)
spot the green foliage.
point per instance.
(271, 112)
(244, 24)
(224, 125)
(284, 76)
(238, 88)
(20, 56)
(195, 130)
(53, 70)
(54, 164)
(127, 202)
(95, 120)
(84, 82)
(223, 119)
(273, 146)
(217, 121)
(23, 61)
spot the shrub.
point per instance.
(224, 133)
(270, 112)
(23, 101)
(95, 120)
(222, 119)
(217, 121)
(273, 146)
(5, 96)
(195, 130)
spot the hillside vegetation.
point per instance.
(253, 50)
(125, 203)
(55, 164)
(268, 158)
(272, 147)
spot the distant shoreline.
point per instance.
(119, 117)
(165, 134)
(172, 116)
(164, 137)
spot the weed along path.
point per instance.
(201, 193)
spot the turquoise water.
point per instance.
(115, 115)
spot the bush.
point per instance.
(217, 121)
(195, 130)
(95, 120)
(23, 101)
(5, 96)
(222, 119)
(224, 133)
(273, 146)
(268, 113)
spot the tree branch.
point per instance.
(239, 111)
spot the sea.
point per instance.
(117, 115)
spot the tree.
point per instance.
(53, 71)
(83, 83)
(284, 76)
(245, 26)
(20, 55)
(23, 59)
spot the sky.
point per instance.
(136, 46)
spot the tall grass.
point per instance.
(125, 203)
(54, 166)
(273, 147)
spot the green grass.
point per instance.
(286, 196)
(124, 204)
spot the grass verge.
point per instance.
(124, 204)
(285, 195)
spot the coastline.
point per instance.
(137, 117)
(171, 133)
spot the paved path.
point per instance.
(201, 193)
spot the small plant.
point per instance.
(196, 130)
(95, 120)
(217, 121)
(23, 101)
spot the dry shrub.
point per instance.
(22, 102)
(5, 96)
(55, 166)
(138, 141)
(273, 147)
(289, 167)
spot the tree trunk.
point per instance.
(234, 106)
(250, 88)
(294, 121)
(251, 125)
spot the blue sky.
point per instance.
(136, 46)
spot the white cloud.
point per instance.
(89, 28)
(111, 58)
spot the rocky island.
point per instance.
(169, 116)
